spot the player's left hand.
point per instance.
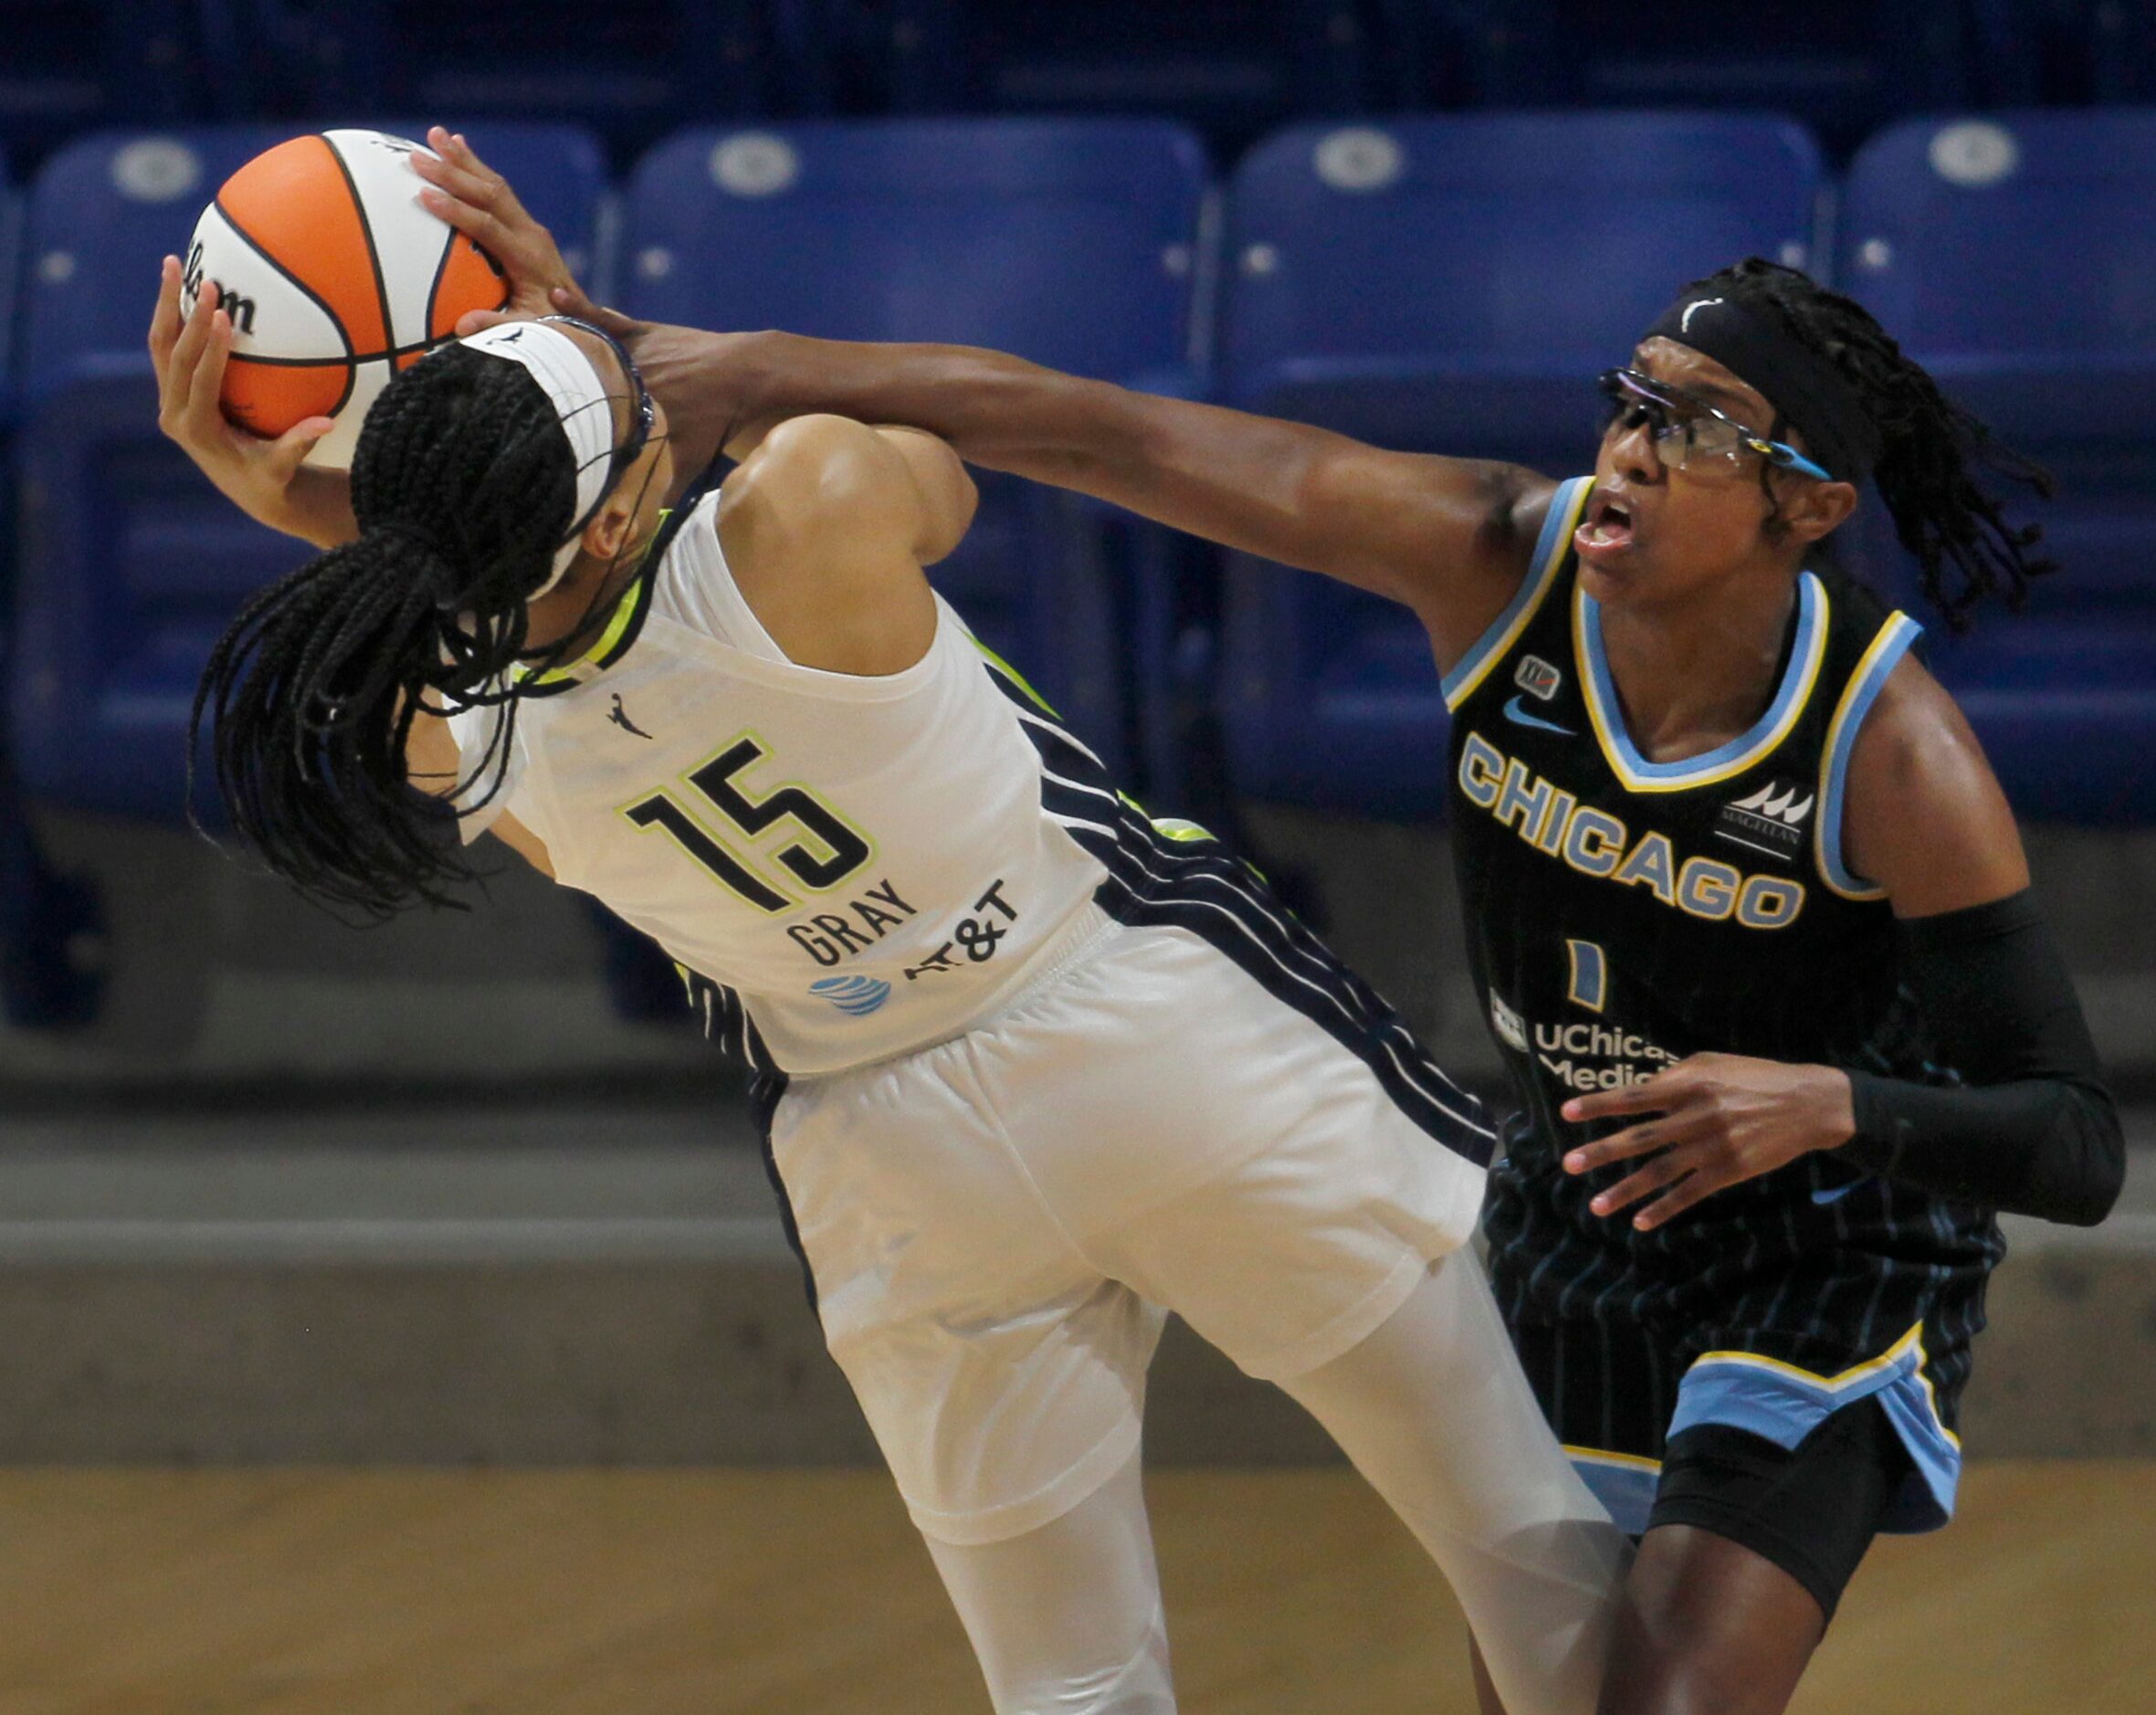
(1720, 1119)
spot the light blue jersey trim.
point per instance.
(1784, 1404)
(1870, 678)
(1625, 1485)
(1725, 761)
(1558, 525)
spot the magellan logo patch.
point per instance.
(1537, 677)
(1771, 820)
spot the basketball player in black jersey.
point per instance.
(1747, 907)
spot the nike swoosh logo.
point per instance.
(1517, 711)
(1834, 1193)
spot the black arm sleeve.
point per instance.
(2031, 1127)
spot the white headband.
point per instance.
(582, 404)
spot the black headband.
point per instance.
(1802, 386)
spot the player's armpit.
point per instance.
(1927, 819)
(521, 840)
(948, 496)
(1450, 538)
(432, 763)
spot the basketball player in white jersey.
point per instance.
(1032, 1070)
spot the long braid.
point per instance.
(1936, 457)
(463, 485)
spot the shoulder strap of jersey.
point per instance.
(1552, 548)
(630, 610)
(1888, 646)
(677, 515)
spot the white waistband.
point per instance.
(1069, 946)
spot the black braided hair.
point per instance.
(1935, 454)
(463, 485)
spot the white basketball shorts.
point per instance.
(997, 1224)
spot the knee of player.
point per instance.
(1673, 1686)
(1688, 1670)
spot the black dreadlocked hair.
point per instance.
(1934, 451)
(463, 485)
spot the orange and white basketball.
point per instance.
(335, 279)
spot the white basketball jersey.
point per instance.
(864, 862)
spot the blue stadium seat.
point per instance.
(632, 71)
(1842, 70)
(65, 69)
(2015, 258)
(1449, 285)
(2063, 53)
(2122, 51)
(2032, 53)
(11, 216)
(51, 926)
(132, 563)
(1230, 66)
(1069, 242)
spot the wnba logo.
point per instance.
(240, 309)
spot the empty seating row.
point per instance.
(1449, 284)
(638, 69)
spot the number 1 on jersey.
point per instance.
(842, 850)
(1590, 981)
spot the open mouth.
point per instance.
(1606, 529)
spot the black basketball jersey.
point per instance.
(1622, 914)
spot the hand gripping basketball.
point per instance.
(263, 478)
(335, 281)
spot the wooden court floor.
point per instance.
(1290, 1592)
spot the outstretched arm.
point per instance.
(1450, 538)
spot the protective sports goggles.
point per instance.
(1688, 433)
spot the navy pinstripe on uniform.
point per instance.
(1565, 836)
(1173, 875)
(726, 1022)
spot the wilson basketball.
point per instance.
(335, 279)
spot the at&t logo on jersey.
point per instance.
(856, 996)
(1771, 820)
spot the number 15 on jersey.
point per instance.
(824, 851)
